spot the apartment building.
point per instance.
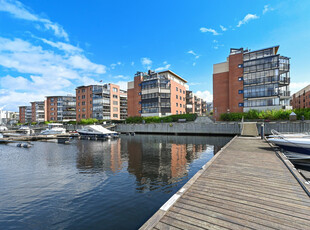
(8, 117)
(195, 104)
(25, 114)
(38, 111)
(156, 94)
(251, 80)
(61, 108)
(103, 102)
(301, 99)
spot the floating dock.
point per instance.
(247, 185)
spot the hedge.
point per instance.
(167, 119)
(266, 115)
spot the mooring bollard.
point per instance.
(262, 131)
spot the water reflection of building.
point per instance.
(158, 159)
(96, 156)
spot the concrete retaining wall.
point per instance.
(217, 128)
(181, 128)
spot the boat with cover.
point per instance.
(293, 144)
(97, 131)
(54, 128)
(276, 134)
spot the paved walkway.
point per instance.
(245, 186)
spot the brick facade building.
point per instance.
(251, 80)
(102, 102)
(156, 94)
(301, 99)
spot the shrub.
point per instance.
(89, 121)
(167, 119)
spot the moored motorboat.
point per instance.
(276, 134)
(97, 131)
(54, 128)
(3, 128)
(294, 144)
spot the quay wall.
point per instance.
(217, 128)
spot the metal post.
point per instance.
(262, 131)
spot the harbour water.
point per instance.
(115, 184)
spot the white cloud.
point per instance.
(223, 28)
(113, 65)
(42, 71)
(296, 86)
(132, 63)
(63, 46)
(18, 10)
(194, 63)
(267, 8)
(122, 84)
(121, 77)
(247, 18)
(146, 62)
(193, 53)
(204, 30)
(215, 41)
(162, 68)
(206, 95)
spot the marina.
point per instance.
(246, 185)
(87, 184)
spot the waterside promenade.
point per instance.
(247, 185)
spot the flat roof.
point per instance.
(61, 96)
(169, 71)
(276, 46)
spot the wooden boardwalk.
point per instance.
(245, 186)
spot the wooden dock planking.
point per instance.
(245, 186)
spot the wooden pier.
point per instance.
(247, 185)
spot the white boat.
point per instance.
(3, 128)
(97, 131)
(292, 144)
(54, 128)
(276, 134)
(24, 128)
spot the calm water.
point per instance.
(114, 184)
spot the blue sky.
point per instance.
(50, 47)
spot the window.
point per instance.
(52, 103)
(241, 104)
(115, 115)
(240, 78)
(83, 116)
(52, 118)
(177, 96)
(177, 112)
(83, 90)
(139, 93)
(240, 66)
(115, 109)
(83, 96)
(90, 102)
(180, 90)
(115, 96)
(79, 104)
(52, 99)
(177, 104)
(83, 103)
(240, 91)
(115, 102)
(115, 89)
(52, 109)
(177, 88)
(52, 114)
(183, 91)
(78, 91)
(79, 97)
(83, 110)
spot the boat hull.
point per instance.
(98, 135)
(293, 145)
